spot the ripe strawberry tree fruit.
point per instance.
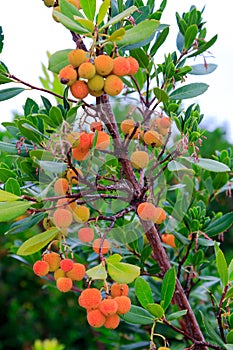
(95, 180)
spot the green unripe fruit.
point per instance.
(96, 83)
(86, 70)
(49, 3)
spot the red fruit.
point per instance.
(66, 265)
(118, 289)
(64, 284)
(124, 304)
(112, 321)
(95, 318)
(90, 298)
(86, 234)
(79, 89)
(41, 268)
(77, 273)
(121, 66)
(108, 307)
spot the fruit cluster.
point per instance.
(85, 75)
(65, 270)
(105, 311)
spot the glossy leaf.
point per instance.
(201, 69)
(58, 60)
(168, 288)
(209, 164)
(7, 196)
(143, 292)
(176, 315)
(55, 115)
(189, 91)
(229, 294)
(215, 337)
(86, 23)
(103, 10)
(155, 309)
(89, 8)
(28, 130)
(37, 242)
(13, 186)
(190, 35)
(138, 315)
(11, 210)
(161, 95)
(97, 272)
(222, 267)
(6, 94)
(117, 35)
(229, 337)
(5, 174)
(69, 10)
(119, 17)
(139, 33)
(205, 46)
(219, 225)
(123, 272)
(177, 166)
(71, 24)
(1, 39)
(26, 223)
(160, 39)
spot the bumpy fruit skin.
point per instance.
(96, 126)
(79, 89)
(64, 284)
(96, 246)
(86, 234)
(96, 93)
(160, 216)
(119, 289)
(66, 264)
(64, 204)
(103, 65)
(72, 177)
(40, 268)
(103, 140)
(156, 124)
(81, 214)
(169, 239)
(53, 259)
(77, 57)
(77, 273)
(165, 122)
(127, 125)
(139, 159)
(86, 70)
(146, 211)
(95, 318)
(113, 85)
(124, 304)
(153, 138)
(90, 298)
(62, 218)
(68, 75)
(137, 134)
(61, 186)
(112, 321)
(96, 83)
(49, 3)
(59, 273)
(121, 66)
(108, 307)
(133, 65)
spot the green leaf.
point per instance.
(28, 130)
(168, 288)
(222, 267)
(97, 272)
(117, 35)
(6, 94)
(161, 95)
(177, 166)
(37, 242)
(190, 35)
(5, 174)
(139, 33)
(143, 292)
(220, 225)
(103, 11)
(160, 39)
(229, 294)
(176, 315)
(11, 210)
(70, 24)
(123, 272)
(189, 91)
(13, 186)
(211, 332)
(25, 224)
(230, 270)
(229, 337)
(209, 164)
(58, 60)
(112, 259)
(69, 10)
(155, 309)
(55, 115)
(138, 315)
(52, 167)
(204, 47)
(12, 149)
(89, 8)
(141, 56)
(7, 196)
(86, 23)
(1, 39)
(201, 69)
(119, 17)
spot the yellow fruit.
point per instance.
(96, 93)
(103, 64)
(96, 83)
(127, 125)
(79, 89)
(72, 177)
(121, 66)
(139, 159)
(49, 3)
(113, 85)
(68, 75)
(153, 138)
(77, 57)
(86, 70)
(59, 273)
(81, 213)
(137, 134)
(53, 259)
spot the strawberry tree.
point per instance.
(109, 181)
